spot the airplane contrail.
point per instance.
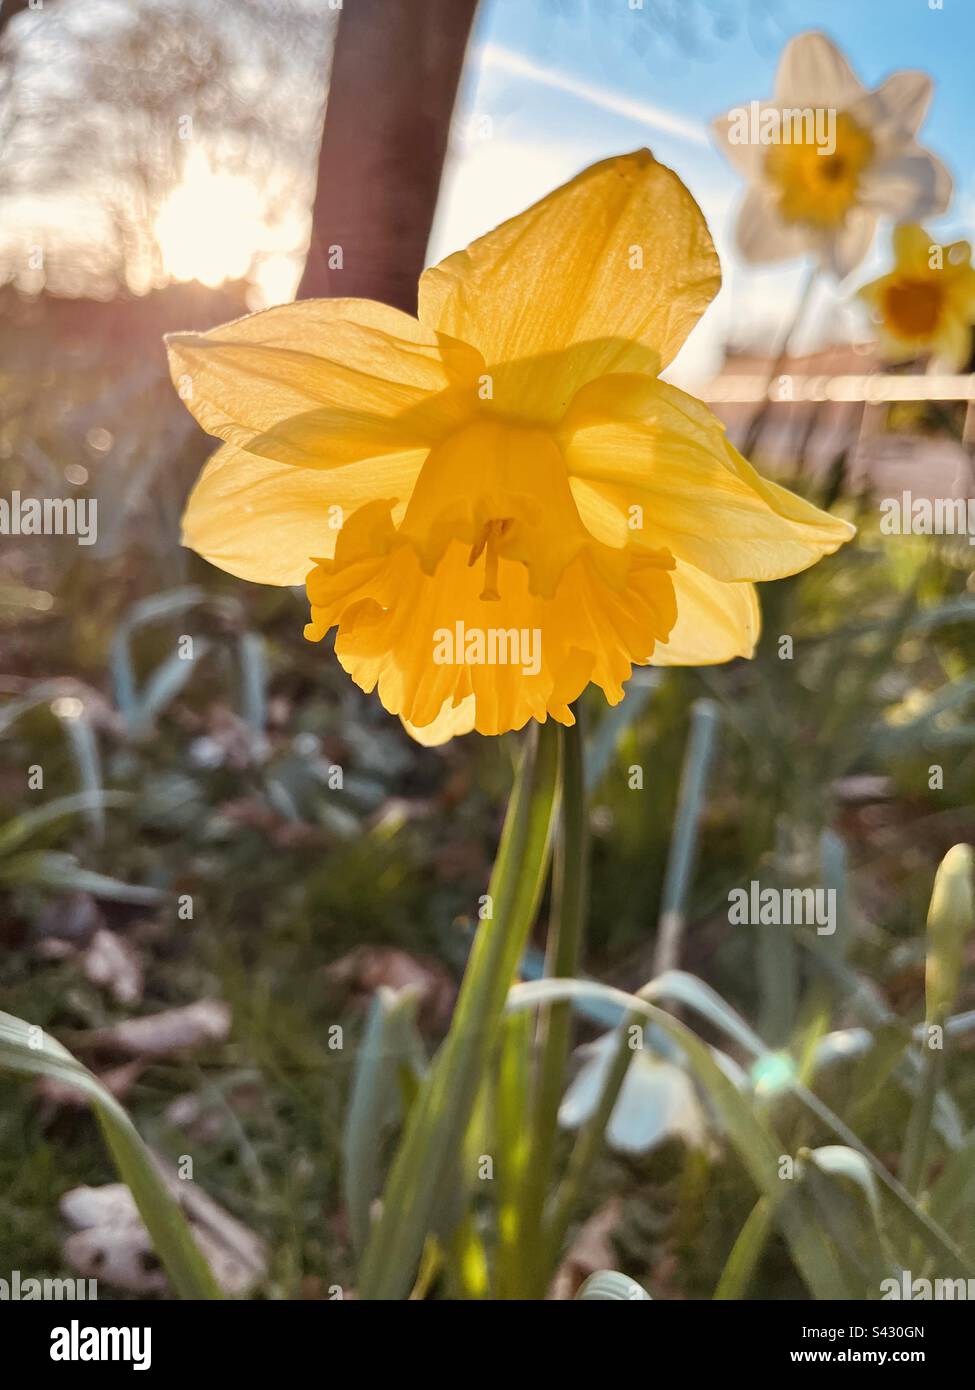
(655, 117)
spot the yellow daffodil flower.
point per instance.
(825, 157)
(926, 304)
(499, 502)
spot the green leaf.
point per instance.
(154, 608)
(746, 1253)
(756, 1146)
(846, 1194)
(390, 1045)
(80, 737)
(696, 770)
(954, 1190)
(253, 682)
(62, 872)
(20, 829)
(570, 898)
(164, 684)
(27, 1049)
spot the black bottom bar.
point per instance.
(252, 1338)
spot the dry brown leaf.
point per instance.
(121, 1256)
(118, 1080)
(366, 968)
(111, 1243)
(204, 1121)
(112, 963)
(73, 917)
(173, 1030)
(592, 1249)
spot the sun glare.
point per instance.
(211, 226)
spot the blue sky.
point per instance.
(553, 85)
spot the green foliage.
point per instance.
(209, 778)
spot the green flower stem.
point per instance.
(588, 1147)
(746, 1252)
(698, 760)
(757, 422)
(569, 899)
(512, 1108)
(951, 914)
(415, 1189)
(916, 1141)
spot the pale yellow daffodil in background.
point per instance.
(507, 462)
(857, 159)
(926, 304)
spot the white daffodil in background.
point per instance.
(826, 158)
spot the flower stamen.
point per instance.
(487, 542)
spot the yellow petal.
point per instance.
(874, 291)
(607, 274)
(912, 248)
(452, 721)
(430, 642)
(715, 621)
(324, 382)
(265, 521)
(656, 464)
(952, 344)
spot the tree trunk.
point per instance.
(9, 8)
(394, 78)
